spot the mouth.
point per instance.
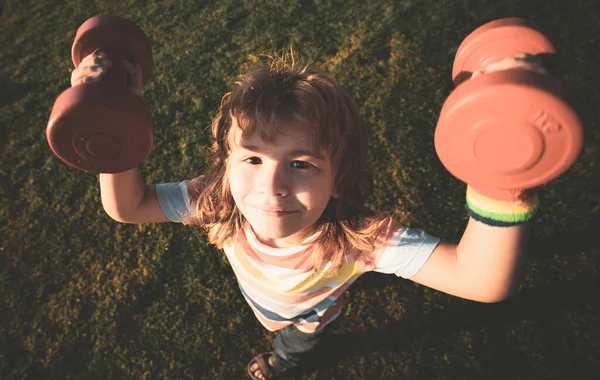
(275, 212)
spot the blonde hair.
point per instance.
(268, 101)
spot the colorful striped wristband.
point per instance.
(501, 213)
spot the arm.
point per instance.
(127, 199)
(487, 263)
(125, 196)
(484, 266)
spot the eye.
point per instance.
(253, 160)
(301, 165)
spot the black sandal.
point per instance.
(268, 371)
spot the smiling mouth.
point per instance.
(275, 212)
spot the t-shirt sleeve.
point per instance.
(406, 252)
(174, 199)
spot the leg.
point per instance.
(292, 345)
(291, 349)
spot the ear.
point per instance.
(335, 193)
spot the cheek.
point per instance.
(234, 182)
(317, 192)
(234, 178)
(240, 183)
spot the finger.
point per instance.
(75, 78)
(93, 70)
(91, 58)
(504, 64)
(102, 61)
(530, 60)
(476, 73)
(134, 80)
(100, 54)
(131, 68)
(521, 56)
(518, 61)
(87, 60)
(96, 58)
(91, 79)
(94, 63)
(79, 75)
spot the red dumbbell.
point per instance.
(511, 129)
(103, 127)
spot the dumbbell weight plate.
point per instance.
(495, 41)
(100, 128)
(508, 130)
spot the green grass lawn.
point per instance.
(84, 297)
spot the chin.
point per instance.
(270, 232)
(273, 234)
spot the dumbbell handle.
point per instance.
(116, 74)
(119, 39)
(503, 195)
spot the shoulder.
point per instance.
(397, 248)
(377, 229)
(195, 187)
(381, 226)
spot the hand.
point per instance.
(518, 61)
(93, 66)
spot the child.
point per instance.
(286, 200)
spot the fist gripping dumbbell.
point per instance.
(104, 127)
(511, 129)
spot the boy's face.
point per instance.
(281, 187)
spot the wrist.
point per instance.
(501, 208)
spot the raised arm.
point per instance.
(484, 266)
(125, 196)
(127, 199)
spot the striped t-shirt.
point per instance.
(277, 283)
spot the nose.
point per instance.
(273, 181)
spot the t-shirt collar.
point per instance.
(275, 251)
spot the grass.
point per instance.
(84, 297)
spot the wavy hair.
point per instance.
(268, 101)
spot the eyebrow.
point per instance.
(296, 152)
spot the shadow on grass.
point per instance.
(533, 304)
(551, 300)
(12, 92)
(569, 243)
